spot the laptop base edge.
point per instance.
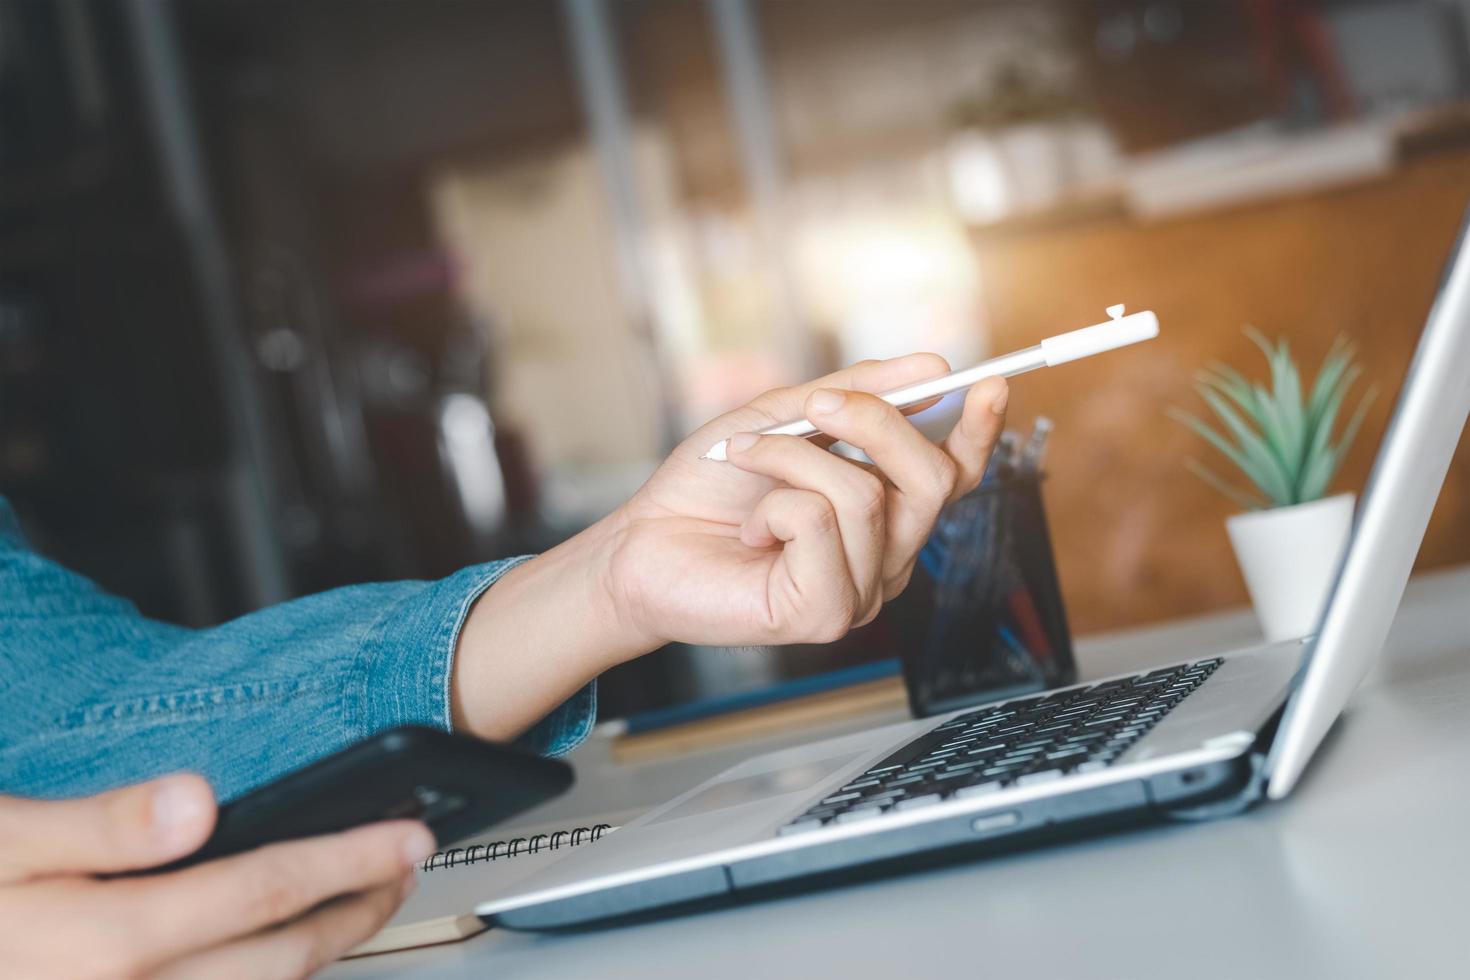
(1190, 793)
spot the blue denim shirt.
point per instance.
(93, 694)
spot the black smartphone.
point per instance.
(456, 784)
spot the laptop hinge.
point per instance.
(1243, 799)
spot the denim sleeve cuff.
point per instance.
(409, 658)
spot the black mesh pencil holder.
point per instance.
(982, 617)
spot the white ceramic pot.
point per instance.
(1289, 556)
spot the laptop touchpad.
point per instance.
(761, 786)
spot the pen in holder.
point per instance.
(982, 617)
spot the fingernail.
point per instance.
(418, 845)
(998, 404)
(177, 810)
(741, 441)
(827, 400)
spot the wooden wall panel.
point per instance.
(1139, 538)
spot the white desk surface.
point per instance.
(1363, 872)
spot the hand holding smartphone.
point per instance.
(455, 784)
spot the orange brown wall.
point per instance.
(1139, 539)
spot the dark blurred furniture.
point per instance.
(110, 419)
(232, 365)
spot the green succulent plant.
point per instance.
(1279, 438)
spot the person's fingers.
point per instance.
(815, 600)
(302, 946)
(125, 829)
(784, 404)
(973, 438)
(235, 896)
(922, 474)
(856, 495)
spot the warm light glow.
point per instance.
(977, 179)
(892, 281)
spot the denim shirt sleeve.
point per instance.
(400, 686)
(97, 695)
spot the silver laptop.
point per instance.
(1206, 737)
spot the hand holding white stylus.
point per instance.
(1119, 331)
(785, 543)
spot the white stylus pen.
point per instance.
(1119, 331)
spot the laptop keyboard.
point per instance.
(1019, 742)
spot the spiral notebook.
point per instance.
(504, 850)
(439, 909)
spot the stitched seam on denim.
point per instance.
(586, 719)
(367, 656)
(375, 645)
(135, 723)
(441, 656)
(187, 703)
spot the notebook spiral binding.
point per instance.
(515, 847)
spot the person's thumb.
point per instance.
(126, 829)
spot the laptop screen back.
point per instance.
(1401, 491)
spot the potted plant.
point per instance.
(1291, 536)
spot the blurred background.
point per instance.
(298, 293)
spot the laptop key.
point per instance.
(958, 773)
(1066, 753)
(841, 798)
(988, 747)
(1032, 743)
(1020, 703)
(1040, 776)
(914, 802)
(1071, 714)
(862, 813)
(978, 789)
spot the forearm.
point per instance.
(543, 631)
